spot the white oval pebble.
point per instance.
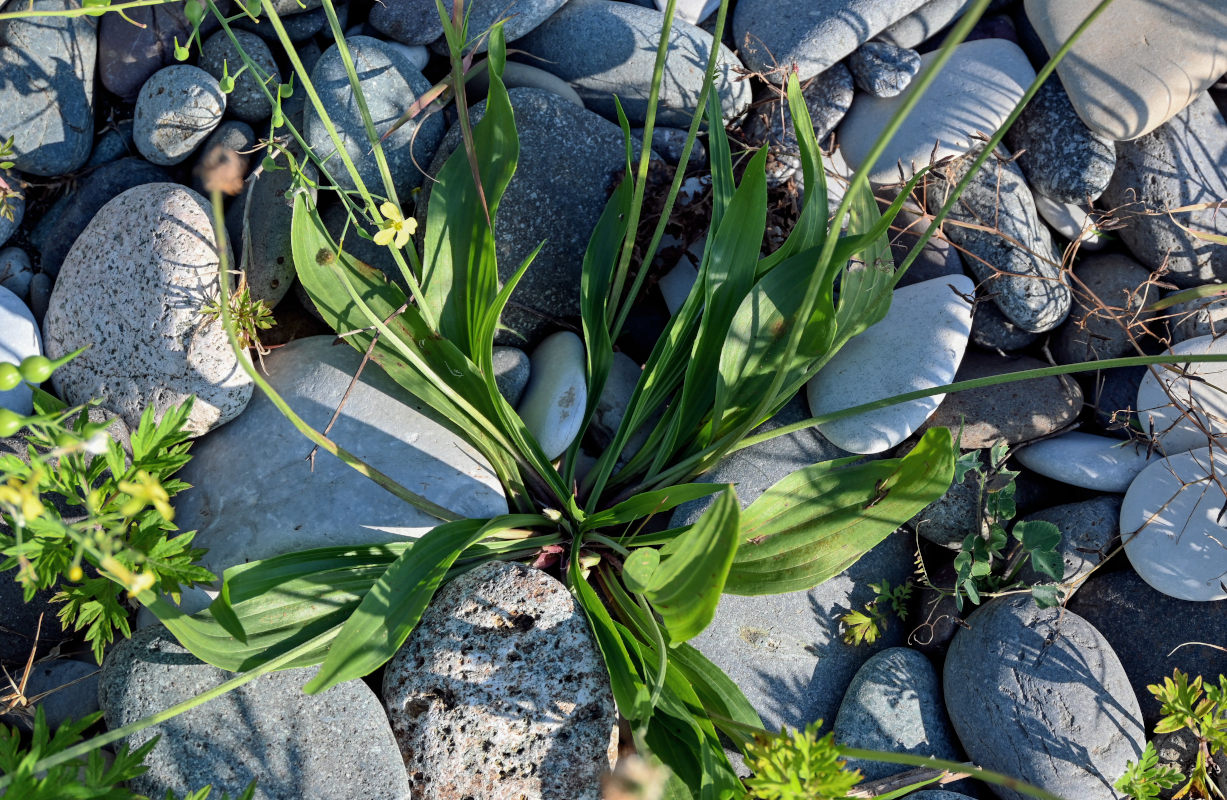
(919, 344)
(1086, 460)
(1181, 412)
(1071, 221)
(553, 404)
(1171, 523)
(19, 339)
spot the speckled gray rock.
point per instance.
(267, 246)
(332, 746)
(1110, 293)
(1063, 159)
(246, 101)
(882, 69)
(1089, 530)
(132, 287)
(511, 372)
(1024, 279)
(500, 691)
(521, 16)
(1146, 629)
(47, 86)
(14, 203)
(1039, 695)
(924, 22)
(128, 54)
(813, 35)
(894, 703)
(1181, 163)
(569, 161)
(603, 48)
(827, 98)
(991, 330)
(92, 193)
(279, 503)
(391, 86)
(16, 271)
(1014, 412)
(176, 110)
(407, 21)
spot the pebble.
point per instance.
(813, 35)
(1116, 602)
(1072, 221)
(520, 17)
(1161, 58)
(615, 398)
(1013, 413)
(73, 688)
(412, 22)
(882, 69)
(16, 271)
(19, 339)
(894, 703)
(511, 373)
(923, 23)
(246, 101)
(332, 746)
(47, 86)
(937, 794)
(1039, 694)
(417, 55)
(517, 75)
(176, 110)
(827, 97)
(391, 86)
(302, 23)
(133, 287)
(1181, 163)
(991, 330)
(951, 518)
(903, 352)
(501, 691)
(693, 11)
(1183, 412)
(1112, 395)
(1025, 279)
(1111, 292)
(279, 504)
(128, 54)
(1205, 316)
(975, 91)
(676, 284)
(554, 401)
(937, 259)
(603, 46)
(113, 143)
(41, 286)
(232, 139)
(1062, 158)
(569, 161)
(1086, 460)
(1089, 531)
(12, 204)
(668, 143)
(1171, 525)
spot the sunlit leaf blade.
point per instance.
(817, 522)
(648, 503)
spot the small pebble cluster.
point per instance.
(1055, 254)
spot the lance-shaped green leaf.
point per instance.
(818, 521)
(649, 503)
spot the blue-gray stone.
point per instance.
(1108, 314)
(894, 703)
(1039, 694)
(12, 203)
(391, 85)
(1062, 158)
(176, 110)
(92, 193)
(47, 86)
(1089, 529)
(1018, 262)
(408, 21)
(937, 794)
(71, 687)
(511, 373)
(1113, 396)
(219, 56)
(300, 27)
(827, 98)
(16, 271)
(521, 16)
(669, 142)
(129, 53)
(606, 48)
(992, 331)
(41, 286)
(925, 22)
(332, 746)
(882, 69)
(1147, 630)
(113, 143)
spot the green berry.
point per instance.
(37, 369)
(10, 376)
(10, 423)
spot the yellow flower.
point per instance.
(395, 227)
(145, 490)
(23, 498)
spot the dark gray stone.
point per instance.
(827, 97)
(71, 688)
(16, 271)
(391, 85)
(246, 101)
(951, 518)
(501, 691)
(1015, 412)
(47, 86)
(113, 143)
(300, 27)
(1039, 695)
(55, 237)
(1089, 530)
(176, 110)
(408, 21)
(603, 48)
(894, 703)
(569, 161)
(882, 69)
(1144, 626)
(19, 621)
(511, 373)
(231, 135)
(1112, 395)
(128, 54)
(1024, 279)
(41, 286)
(1180, 163)
(1063, 159)
(336, 745)
(13, 203)
(992, 331)
(669, 142)
(1107, 316)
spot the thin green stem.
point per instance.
(610, 543)
(986, 775)
(96, 11)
